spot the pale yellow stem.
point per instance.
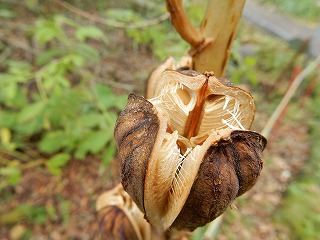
(219, 24)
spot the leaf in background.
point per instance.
(31, 111)
(11, 90)
(107, 99)
(56, 162)
(73, 59)
(46, 30)
(103, 94)
(89, 53)
(93, 32)
(48, 55)
(108, 154)
(17, 214)
(6, 13)
(12, 174)
(31, 127)
(39, 215)
(52, 142)
(5, 136)
(90, 120)
(8, 119)
(93, 143)
(33, 4)
(19, 71)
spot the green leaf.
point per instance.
(31, 111)
(73, 59)
(8, 119)
(11, 90)
(48, 55)
(39, 215)
(107, 99)
(13, 174)
(90, 120)
(89, 32)
(89, 53)
(30, 127)
(6, 13)
(46, 34)
(56, 162)
(93, 143)
(17, 214)
(108, 154)
(52, 142)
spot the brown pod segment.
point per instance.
(229, 168)
(135, 133)
(185, 154)
(119, 217)
(115, 225)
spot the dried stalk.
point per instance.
(220, 23)
(211, 44)
(182, 24)
(287, 97)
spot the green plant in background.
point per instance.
(242, 69)
(162, 38)
(300, 210)
(54, 105)
(305, 10)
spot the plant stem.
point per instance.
(182, 24)
(220, 24)
(287, 97)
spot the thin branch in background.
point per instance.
(301, 49)
(117, 85)
(183, 25)
(287, 97)
(16, 43)
(12, 154)
(111, 23)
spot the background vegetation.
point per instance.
(64, 78)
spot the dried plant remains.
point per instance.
(185, 154)
(120, 218)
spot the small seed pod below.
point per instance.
(185, 154)
(119, 217)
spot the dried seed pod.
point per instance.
(120, 218)
(186, 154)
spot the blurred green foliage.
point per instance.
(162, 38)
(55, 105)
(306, 10)
(300, 210)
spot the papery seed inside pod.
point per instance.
(212, 105)
(178, 153)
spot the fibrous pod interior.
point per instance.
(185, 154)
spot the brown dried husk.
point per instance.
(186, 192)
(119, 217)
